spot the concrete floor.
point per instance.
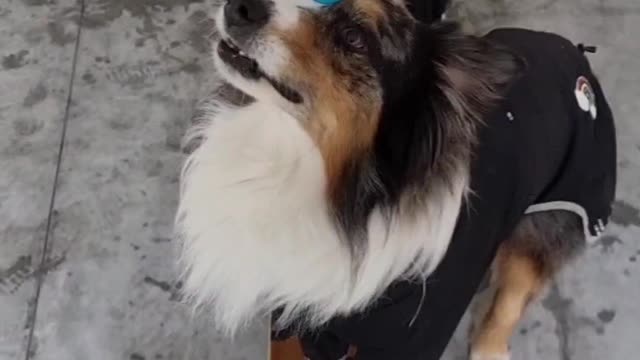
(94, 98)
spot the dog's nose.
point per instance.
(246, 15)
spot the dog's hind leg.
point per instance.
(539, 246)
(517, 281)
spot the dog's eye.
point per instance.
(353, 38)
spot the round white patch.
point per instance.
(586, 97)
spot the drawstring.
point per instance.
(587, 48)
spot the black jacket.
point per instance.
(428, 10)
(550, 145)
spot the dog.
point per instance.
(378, 166)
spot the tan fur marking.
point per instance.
(518, 279)
(289, 349)
(371, 11)
(342, 124)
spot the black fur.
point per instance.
(550, 239)
(423, 139)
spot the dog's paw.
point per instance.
(487, 356)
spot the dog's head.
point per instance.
(311, 55)
(341, 69)
(326, 65)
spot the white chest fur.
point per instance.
(257, 233)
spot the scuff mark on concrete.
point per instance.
(89, 78)
(559, 308)
(30, 320)
(202, 29)
(4, 12)
(163, 285)
(15, 61)
(625, 214)
(22, 270)
(154, 169)
(192, 68)
(160, 240)
(536, 325)
(120, 124)
(36, 2)
(606, 315)
(172, 290)
(100, 13)
(34, 35)
(136, 356)
(583, 321)
(174, 134)
(12, 277)
(27, 126)
(135, 76)
(58, 34)
(607, 243)
(36, 95)
(147, 31)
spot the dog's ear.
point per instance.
(473, 72)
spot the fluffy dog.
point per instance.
(378, 169)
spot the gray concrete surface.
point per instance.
(94, 98)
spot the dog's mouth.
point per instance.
(249, 68)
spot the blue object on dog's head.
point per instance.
(327, 2)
